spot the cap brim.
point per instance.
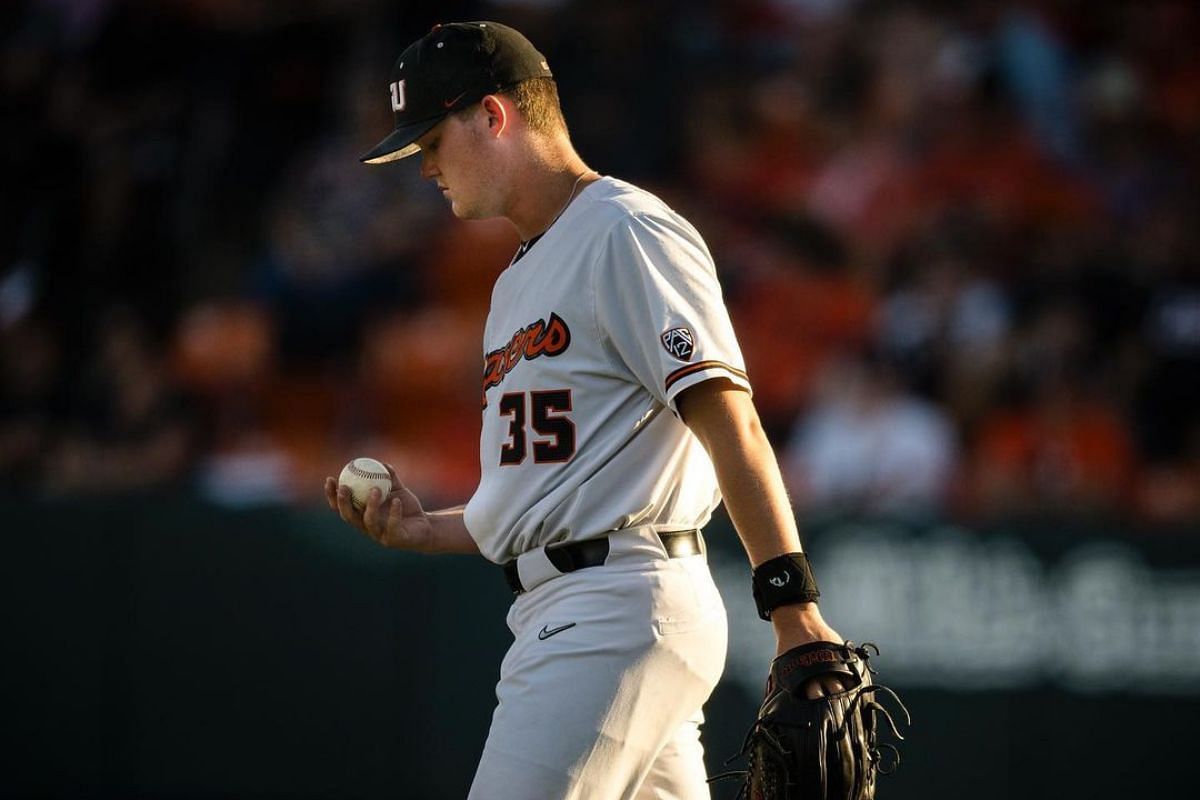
(401, 143)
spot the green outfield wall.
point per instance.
(160, 647)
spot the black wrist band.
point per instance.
(783, 581)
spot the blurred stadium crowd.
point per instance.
(959, 240)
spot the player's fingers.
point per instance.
(397, 530)
(346, 510)
(409, 506)
(392, 471)
(405, 531)
(374, 522)
(823, 686)
(331, 493)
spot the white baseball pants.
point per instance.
(601, 691)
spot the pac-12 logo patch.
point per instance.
(679, 343)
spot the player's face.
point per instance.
(453, 155)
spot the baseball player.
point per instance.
(616, 415)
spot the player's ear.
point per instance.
(497, 114)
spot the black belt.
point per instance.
(594, 552)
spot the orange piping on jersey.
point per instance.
(701, 366)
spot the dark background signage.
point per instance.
(163, 648)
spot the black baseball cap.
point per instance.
(448, 69)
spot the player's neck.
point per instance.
(546, 194)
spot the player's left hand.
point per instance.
(802, 623)
(803, 746)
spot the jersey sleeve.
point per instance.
(659, 306)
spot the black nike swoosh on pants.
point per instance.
(546, 632)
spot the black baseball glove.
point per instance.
(824, 748)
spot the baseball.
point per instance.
(361, 475)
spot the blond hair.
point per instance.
(537, 100)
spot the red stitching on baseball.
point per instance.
(361, 473)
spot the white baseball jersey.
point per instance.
(591, 336)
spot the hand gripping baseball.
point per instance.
(397, 520)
